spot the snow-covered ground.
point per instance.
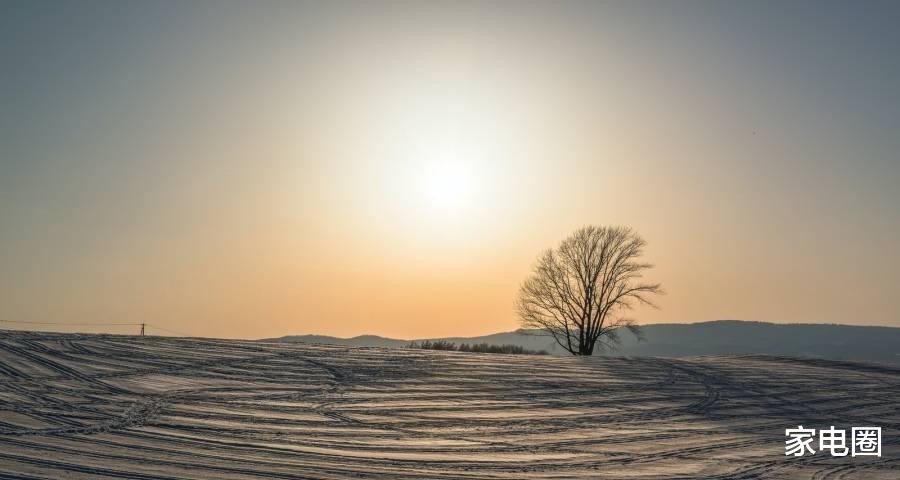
(89, 406)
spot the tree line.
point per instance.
(475, 347)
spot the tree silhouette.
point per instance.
(579, 291)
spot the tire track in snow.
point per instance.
(152, 407)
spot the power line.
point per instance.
(170, 331)
(98, 324)
(73, 324)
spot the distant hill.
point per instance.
(720, 337)
(360, 341)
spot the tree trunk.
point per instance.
(586, 348)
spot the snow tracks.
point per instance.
(99, 406)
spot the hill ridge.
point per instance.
(713, 337)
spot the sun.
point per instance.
(447, 186)
(445, 142)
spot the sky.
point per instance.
(257, 169)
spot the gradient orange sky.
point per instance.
(261, 169)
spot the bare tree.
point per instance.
(579, 291)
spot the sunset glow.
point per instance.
(243, 170)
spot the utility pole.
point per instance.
(142, 329)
